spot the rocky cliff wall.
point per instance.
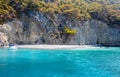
(39, 28)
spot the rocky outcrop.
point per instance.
(39, 28)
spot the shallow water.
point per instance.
(95, 62)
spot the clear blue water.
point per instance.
(99, 62)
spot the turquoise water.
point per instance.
(98, 62)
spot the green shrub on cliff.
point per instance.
(76, 9)
(48, 7)
(70, 31)
(95, 7)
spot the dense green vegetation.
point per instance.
(105, 1)
(6, 11)
(78, 9)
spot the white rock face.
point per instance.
(38, 28)
(3, 38)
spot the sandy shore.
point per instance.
(57, 46)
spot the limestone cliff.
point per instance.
(42, 28)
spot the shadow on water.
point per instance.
(12, 50)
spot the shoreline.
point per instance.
(58, 46)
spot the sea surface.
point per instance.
(89, 62)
